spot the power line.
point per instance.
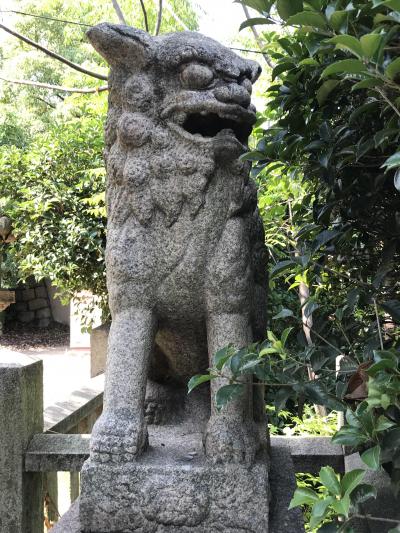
(64, 21)
(46, 18)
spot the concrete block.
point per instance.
(38, 303)
(43, 323)
(98, 349)
(41, 292)
(21, 416)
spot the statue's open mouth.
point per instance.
(211, 124)
(209, 120)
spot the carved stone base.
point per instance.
(173, 488)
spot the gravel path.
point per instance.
(18, 337)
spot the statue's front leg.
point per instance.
(121, 433)
(231, 434)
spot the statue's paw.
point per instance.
(230, 440)
(117, 439)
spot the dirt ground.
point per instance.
(23, 337)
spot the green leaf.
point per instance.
(342, 506)
(351, 479)
(345, 66)
(195, 381)
(285, 335)
(349, 436)
(349, 43)
(281, 267)
(392, 162)
(325, 90)
(258, 5)
(370, 44)
(287, 8)
(302, 496)
(307, 18)
(393, 69)
(363, 493)
(319, 512)
(222, 356)
(371, 457)
(309, 308)
(367, 84)
(227, 393)
(283, 313)
(339, 21)
(392, 306)
(383, 424)
(397, 180)
(330, 480)
(381, 365)
(254, 22)
(352, 419)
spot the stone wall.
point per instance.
(32, 305)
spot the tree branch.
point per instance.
(53, 54)
(86, 90)
(257, 37)
(159, 17)
(175, 16)
(146, 21)
(118, 11)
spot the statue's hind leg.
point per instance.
(121, 432)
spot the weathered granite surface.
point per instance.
(282, 483)
(186, 260)
(21, 416)
(186, 275)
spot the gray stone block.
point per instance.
(21, 416)
(43, 323)
(283, 485)
(41, 292)
(43, 313)
(98, 349)
(26, 316)
(57, 453)
(21, 306)
(310, 454)
(173, 487)
(385, 505)
(37, 303)
(27, 294)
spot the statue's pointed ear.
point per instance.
(121, 45)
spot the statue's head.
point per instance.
(185, 81)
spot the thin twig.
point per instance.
(257, 38)
(378, 324)
(159, 17)
(380, 91)
(118, 11)
(146, 22)
(376, 518)
(53, 54)
(85, 90)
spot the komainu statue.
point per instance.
(186, 273)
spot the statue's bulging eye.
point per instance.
(196, 76)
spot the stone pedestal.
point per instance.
(172, 487)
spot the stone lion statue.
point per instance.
(186, 261)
